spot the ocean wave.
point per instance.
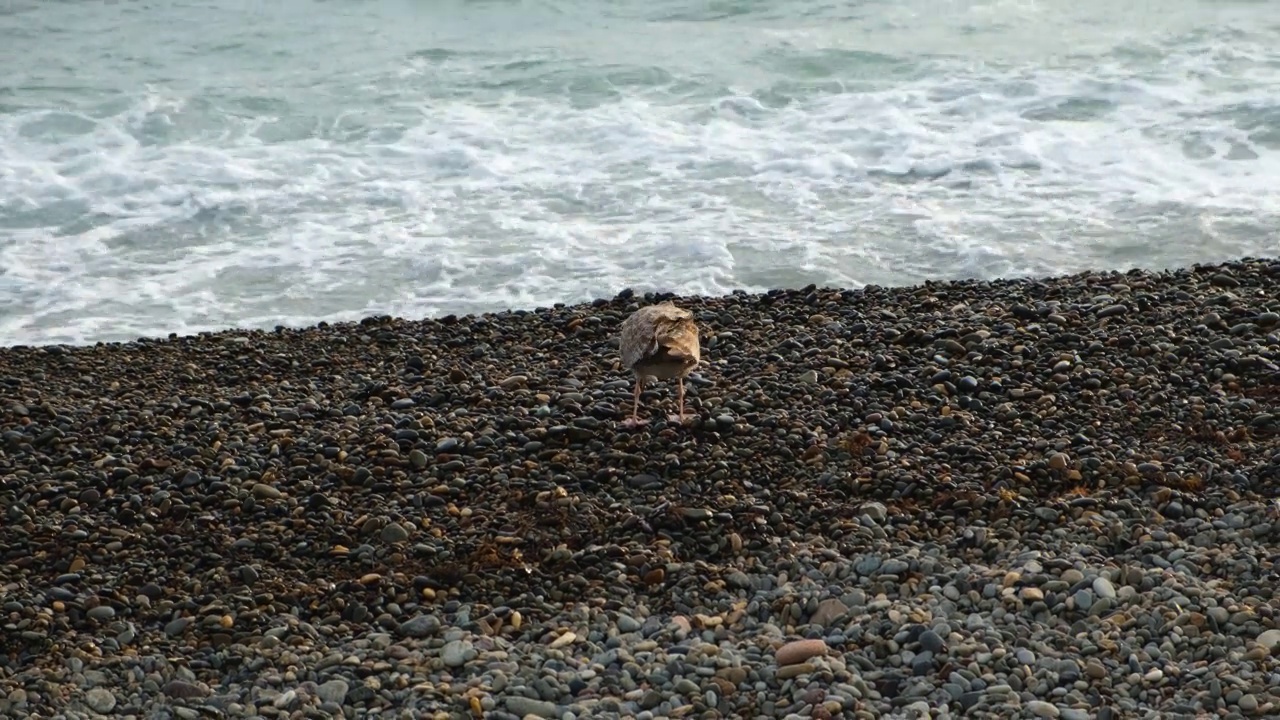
(456, 180)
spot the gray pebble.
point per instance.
(1269, 640)
(523, 706)
(102, 613)
(456, 653)
(627, 624)
(332, 691)
(420, 626)
(1042, 709)
(100, 700)
(1103, 588)
(394, 533)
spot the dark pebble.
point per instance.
(1054, 494)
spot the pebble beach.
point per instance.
(1034, 498)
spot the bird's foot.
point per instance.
(634, 422)
(681, 419)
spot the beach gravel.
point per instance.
(1040, 498)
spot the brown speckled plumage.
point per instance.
(659, 341)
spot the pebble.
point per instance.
(1043, 709)
(1103, 588)
(394, 533)
(1048, 496)
(628, 624)
(100, 700)
(797, 651)
(262, 491)
(456, 653)
(184, 690)
(524, 707)
(332, 691)
(1269, 640)
(102, 613)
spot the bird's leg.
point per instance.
(679, 417)
(635, 399)
(634, 420)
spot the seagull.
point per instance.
(659, 341)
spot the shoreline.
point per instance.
(1002, 282)
(1050, 494)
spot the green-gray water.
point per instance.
(182, 166)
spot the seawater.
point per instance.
(193, 165)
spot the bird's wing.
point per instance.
(637, 340)
(681, 338)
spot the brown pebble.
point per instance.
(263, 491)
(790, 671)
(735, 675)
(797, 651)
(185, 690)
(655, 576)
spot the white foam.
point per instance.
(447, 204)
